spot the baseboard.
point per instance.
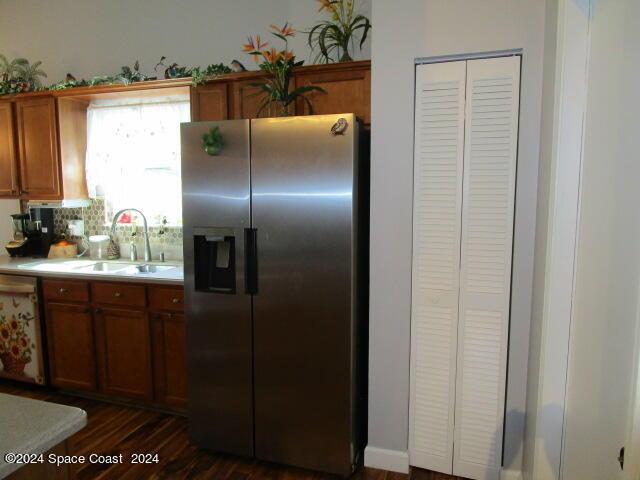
(511, 475)
(392, 460)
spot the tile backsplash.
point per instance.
(95, 221)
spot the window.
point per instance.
(133, 156)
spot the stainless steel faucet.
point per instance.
(147, 246)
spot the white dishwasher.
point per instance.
(21, 348)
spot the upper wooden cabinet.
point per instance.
(42, 148)
(209, 102)
(245, 100)
(38, 148)
(8, 159)
(43, 135)
(347, 87)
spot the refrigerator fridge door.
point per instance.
(216, 212)
(302, 180)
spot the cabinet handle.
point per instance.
(117, 294)
(63, 291)
(175, 300)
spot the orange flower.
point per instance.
(286, 31)
(4, 333)
(24, 343)
(271, 56)
(254, 46)
(13, 324)
(16, 352)
(328, 5)
(288, 55)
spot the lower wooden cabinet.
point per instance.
(71, 344)
(113, 344)
(124, 352)
(170, 358)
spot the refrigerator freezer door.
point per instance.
(303, 211)
(216, 212)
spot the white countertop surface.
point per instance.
(34, 426)
(42, 267)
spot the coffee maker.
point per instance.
(32, 233)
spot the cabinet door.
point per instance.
(247, 99)
(124, 352)
(70, 336)
(170, 359)
(38, 146)
(209, 102)
(8, 159)
(348, 91)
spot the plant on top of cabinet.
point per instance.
(19, 75)
(214, 70)
(279, 64)
(336, 35)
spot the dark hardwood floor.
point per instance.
(114, 429)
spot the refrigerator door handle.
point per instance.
(251, 261)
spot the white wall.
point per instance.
(405, 31)
(97, 37)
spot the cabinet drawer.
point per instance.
(68, 290)
(166, 298)
(119, 294)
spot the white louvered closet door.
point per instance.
(491, 132)
(438, 167)
(466, 129)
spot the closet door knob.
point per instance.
(117, 294)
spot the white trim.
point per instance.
(570, 89)
(469, 56)
(632, 451)
(511, 475)
(391, 460)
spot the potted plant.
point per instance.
(279, 64)
(18, 75)
(333, 37)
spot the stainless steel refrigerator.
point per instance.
(275, 235)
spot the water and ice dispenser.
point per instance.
(215, 260)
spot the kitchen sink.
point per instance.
(104, 267)
(89, 266)
(141, 269)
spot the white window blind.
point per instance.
(133, 156)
